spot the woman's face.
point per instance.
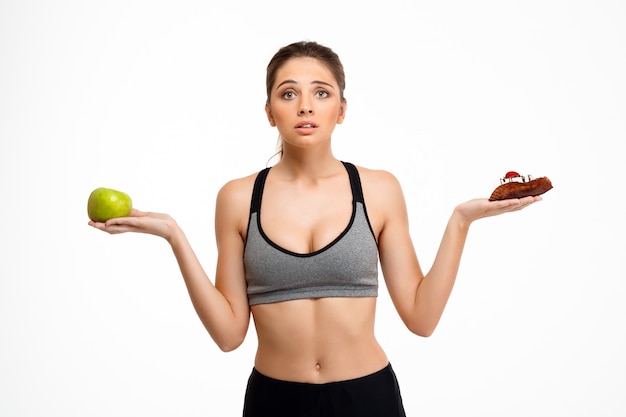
(305, 103)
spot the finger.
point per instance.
(525, 202)
(509, 204)
(117, 229)
(137, 213)
(96, 225)
(103, 227)
(123, 221)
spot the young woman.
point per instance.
(298, 247)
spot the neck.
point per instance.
(310, 164)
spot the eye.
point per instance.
(288, 95)
(322, 94)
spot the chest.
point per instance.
(304, 221)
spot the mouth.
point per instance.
(306, 125)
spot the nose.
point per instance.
(305, 107)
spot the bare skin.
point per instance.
(306, 205)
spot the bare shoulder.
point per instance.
(383, 197)
(233, 202)
(237, 190)
(378, 184)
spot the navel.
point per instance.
(318, 367)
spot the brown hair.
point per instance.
(305, 49)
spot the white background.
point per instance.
(164, 100)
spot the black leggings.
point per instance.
(375, 395)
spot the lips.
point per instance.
(306, 125)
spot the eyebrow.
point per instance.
(312, 82)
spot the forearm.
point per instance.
(435, 288)
(212, 307)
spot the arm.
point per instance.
(223, 307)
(420, 299)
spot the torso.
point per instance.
(313, 340)
(337, 343)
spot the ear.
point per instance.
(268, 112)
(342, 111)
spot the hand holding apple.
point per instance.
(111, 211)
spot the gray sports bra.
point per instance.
(346, 267)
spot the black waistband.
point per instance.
(373, 376)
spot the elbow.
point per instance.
(229, 340)
(228, 344)
(228, 347)
(422, 329)
(422, 332)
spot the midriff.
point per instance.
(317, 340)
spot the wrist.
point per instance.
(459, 220)
(174, 234)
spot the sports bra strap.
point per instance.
(257, 192)
(355, 182)
(259, 184)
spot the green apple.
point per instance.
(107, 203)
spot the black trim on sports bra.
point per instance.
(357, 197)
